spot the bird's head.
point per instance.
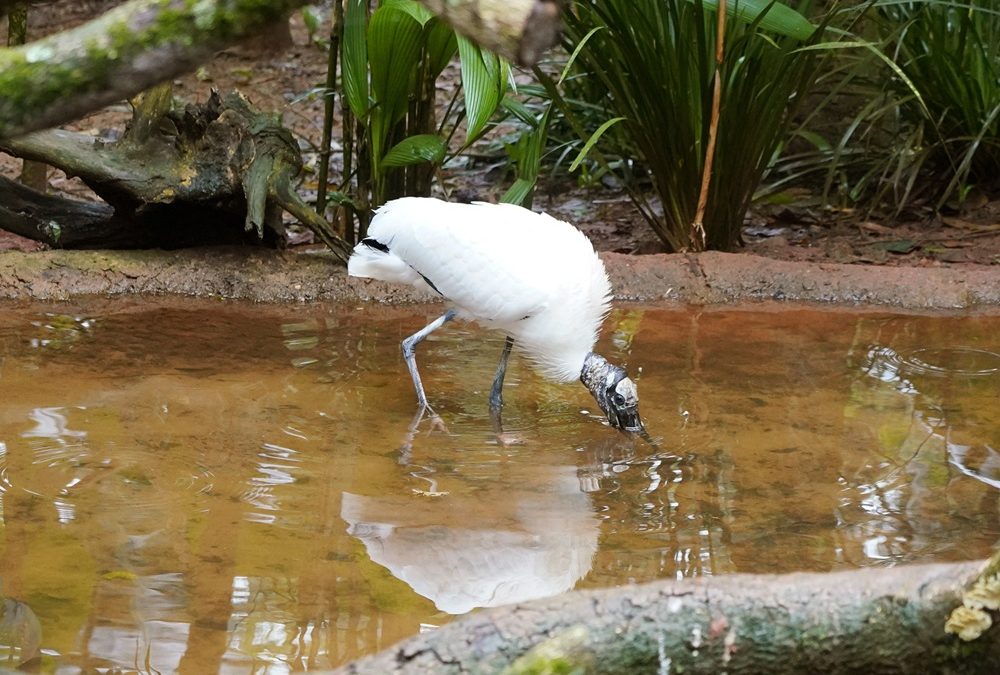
(613, 391)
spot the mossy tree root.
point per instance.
(220, 172)
(58, 222)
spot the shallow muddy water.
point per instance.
(202, 487)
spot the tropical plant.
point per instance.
(916, 105)
(390, 60)
(949, 100)
(652, 65)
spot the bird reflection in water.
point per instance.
(485, 548)
(20, 633)
(528, 531)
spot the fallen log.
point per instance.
(896, 620)
(220, 172)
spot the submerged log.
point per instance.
(212, 173)
(903, 619)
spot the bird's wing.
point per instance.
(493, 261)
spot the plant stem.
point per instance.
(33, 174)
(698, 226)
(363, 196)
(336, 27)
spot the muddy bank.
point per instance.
(270, 276)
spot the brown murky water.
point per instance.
(204, 487)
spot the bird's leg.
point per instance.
(410, 343)
(496, 399)
(496, 393)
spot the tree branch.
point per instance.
(144, 42)
(121, 53)
(518, 30)
(175, 174)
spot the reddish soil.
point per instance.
(281, 78)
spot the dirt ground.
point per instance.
(284, 76)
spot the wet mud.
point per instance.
(710, 278)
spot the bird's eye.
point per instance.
(618, 399)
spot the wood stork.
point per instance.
(526, 274)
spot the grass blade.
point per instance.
(594, 137)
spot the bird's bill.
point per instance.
(626, 419)
(614, 392)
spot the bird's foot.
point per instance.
(436, 423)
(508, 438)
(505, 439)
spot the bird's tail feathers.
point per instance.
(370, 259)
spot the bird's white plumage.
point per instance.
(533, 277)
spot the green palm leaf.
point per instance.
(415, 150)
(441, 45)
(484, 80)
(769, 15)
(393, 50)
(354, 63)
(414, 9)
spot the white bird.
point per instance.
(536, 279)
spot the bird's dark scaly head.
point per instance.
(614, 392)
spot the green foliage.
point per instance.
(914, 103)
(484, 76)
(385, 67)
(526, 156)
(390, 62)
(311, 20)
(950, 52)
(414, 150)
(354, 59)
(592, 141)
(652, 63)
(394, 46)
(769, 16)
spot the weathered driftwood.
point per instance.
(864, 621)
(58, 222)
(205, 174)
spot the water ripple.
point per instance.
(889, 365)
(960, 361)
